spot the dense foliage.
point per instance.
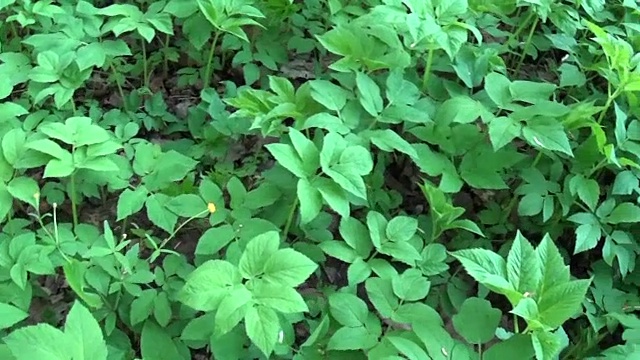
(382, 179)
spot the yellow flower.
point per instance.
(211, 207)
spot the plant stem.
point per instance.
(207, 73)
(74, 207)
(526, 45)
(516, 33)
(145, 75)
(120, 90)
(427, 69)
(607, 104)
(290, 218)
(57, 234)
(173, 234)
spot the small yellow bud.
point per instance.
(36, 196)
(211, 207)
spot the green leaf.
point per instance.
(6, 201)
(310, 201)
(554, 271)
(280, 298)
(159, 214)
(380, 293)
(356, 235)
(208, 284)
(528, 310)
(408, 348)
(411, 285)
(262, 326)
(587, 237)
(286, 156)
(5, 88)
(401, 251)
(74, 272)
(624, 213)
(477, 320)
(459, 109)
(401, 228)
(547, 133)
(10, 315)
(523, 270)
(102, 164)
(41, 341)
(377, 225)
(352, 338)
(545, 344)
(334, 196)
(486, 267)
(24, 189)
(399, 90)
(187, 205)
(85, 334)
(257, 253)
(131, 201)
(45, 146)
(59, 168)
(232, 309)
(358, 271)
(162, 309)
(306, 150)
(199, 328)
(570, 75)
(142, 307)
(518, 344)
(339, 250)
(288, 267)
(502, 131)
(497, 87)
(559, 303)
(155, 343)
(347, 170)
(347, 309)
(368, 94)
(530, 91)
(326, 121)
(331, 96)
(215, 239)
(388, 140)
(588, 190)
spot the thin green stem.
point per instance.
(526, 45)
(120, 90)
(427, 69)
(290, 218)
(145, 74)
(173, 234)
(74, 206)
(607, 104)
(207, 74)
(523, 25)
(57, 235)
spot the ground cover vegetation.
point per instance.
(381, 179)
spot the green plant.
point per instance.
(278, 179)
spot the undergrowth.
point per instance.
(380, 179)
